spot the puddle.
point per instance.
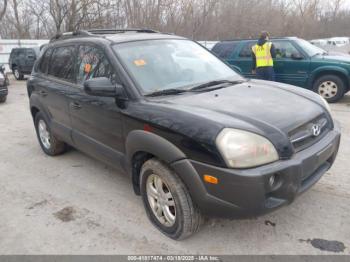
(326, 245)
(67, 214)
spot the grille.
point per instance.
(309, 133)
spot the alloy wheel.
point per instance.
(16, 74)
(44, 134)
(161, 200)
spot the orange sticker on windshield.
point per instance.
(140, 62)
(87, 68)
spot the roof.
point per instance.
(256, 39)
(115, 35)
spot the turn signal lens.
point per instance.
(211, 179)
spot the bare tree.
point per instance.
(197, 19)
(3, 10)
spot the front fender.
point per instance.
(327, 70)
(143, 141)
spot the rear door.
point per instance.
(96, 121)
(20, 59)
(288, 69)
(58, 74)
(244, 58)
(29, 60)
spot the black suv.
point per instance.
(195, 137)
(22, 60)
(4, 82)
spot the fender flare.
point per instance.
(330, 69)
(35, 102)
(143, 141)
(164, 150)
(149, 143)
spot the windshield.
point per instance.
(159, 65)
(309, 48)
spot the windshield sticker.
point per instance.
(87, 68)
(140, 62)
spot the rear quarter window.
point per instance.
(224, 50)
(246, 51)
(45, 61)
(62, 63)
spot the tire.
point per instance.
(17, 74)
(188, 218)
(330, 87)
(53, 146)
(3, 99)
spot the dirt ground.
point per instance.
(73, 204)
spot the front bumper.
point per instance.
(247, 193)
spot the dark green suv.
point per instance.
(297, 62)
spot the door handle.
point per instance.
(75, 105)
(42, 93)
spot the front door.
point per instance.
(291, 66)
(96, 121)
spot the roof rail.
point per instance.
(96, 32)
(118, 31)
(67, 35)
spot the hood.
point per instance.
(258, 106)
(270, 109)
(254, 102)
(337, 57)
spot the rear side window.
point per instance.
(45, 61)
(224, 50)
(247, 50)
(31, 53)
(21, 52)
(14, 52)
(62, 63)
(92, 63)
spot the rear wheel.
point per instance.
(167, 201)
(330, 87)
(17, 74)
(49, 143)
(3, 99)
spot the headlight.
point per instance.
(326, 105)
(242, 149)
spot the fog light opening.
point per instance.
(274, 181)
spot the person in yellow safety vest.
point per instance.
(263, 53)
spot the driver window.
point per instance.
(285, 49)
(92, 63)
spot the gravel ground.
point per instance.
(73, 204)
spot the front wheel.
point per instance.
(330, 87)
(167, 201)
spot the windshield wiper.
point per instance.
(166, 92)
(216, 83)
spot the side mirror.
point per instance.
(102, 86)
(297, 56)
